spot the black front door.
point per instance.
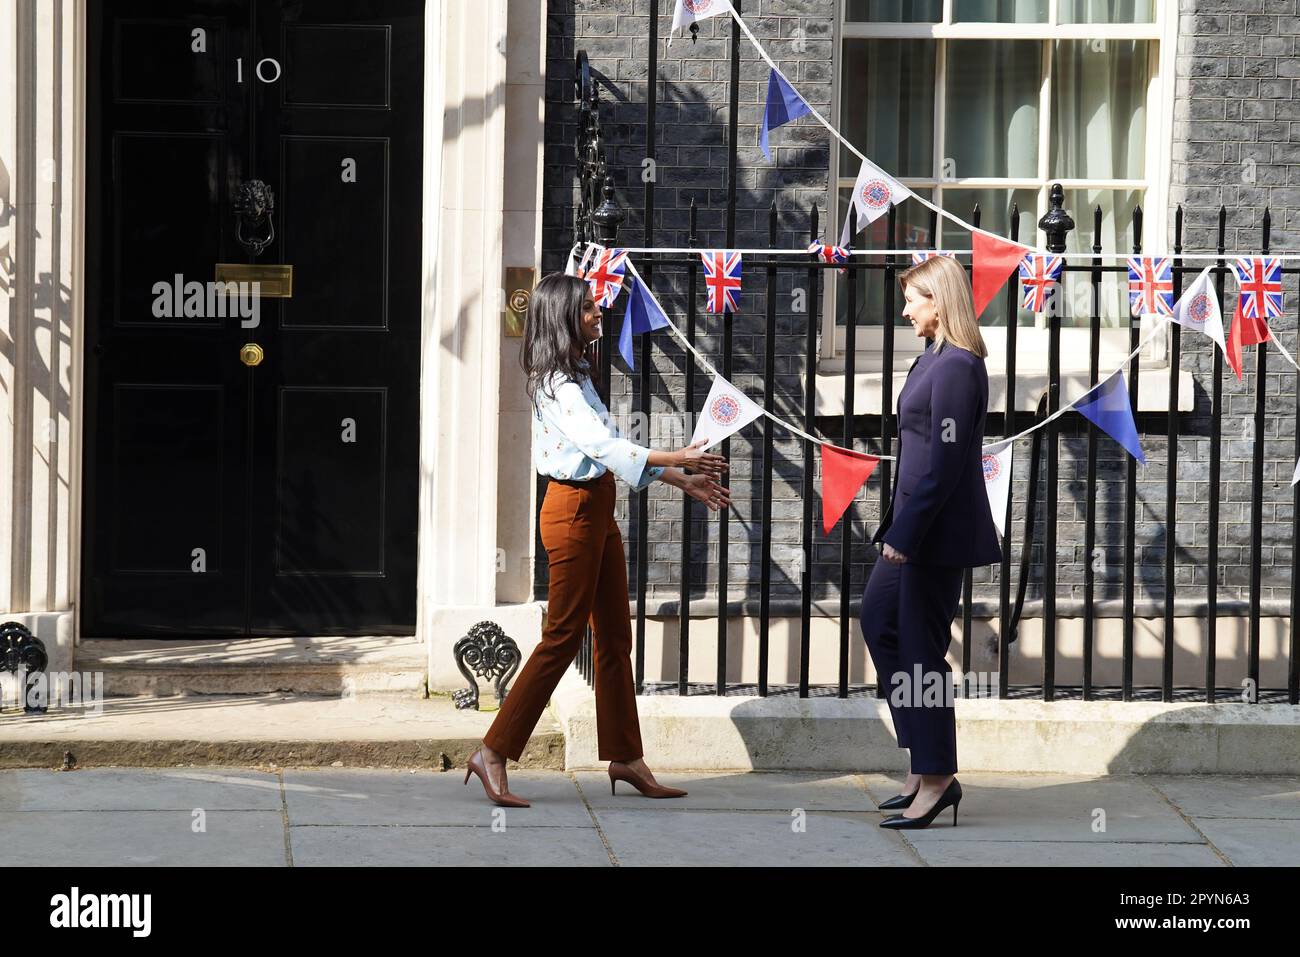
(251, 463)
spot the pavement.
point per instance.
(367, 816)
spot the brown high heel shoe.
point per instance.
(504, 798)
(648, 788)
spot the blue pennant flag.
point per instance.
(1108, 407)
(642, 314)
(783, 105)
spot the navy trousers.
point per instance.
(906, 617)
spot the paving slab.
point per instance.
(513, 845)
(139, 789)
(1236, 796)
(756, 838)
(141, 838)
(1250, 842)
(359, 796)
(1042, 807)
(1065, 854)
(356, 816)
(739, 791)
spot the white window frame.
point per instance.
(1153, 390)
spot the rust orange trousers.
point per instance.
(588, 583)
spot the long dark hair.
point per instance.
(552, 327)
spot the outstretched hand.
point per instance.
(704, 489)
(692, 457)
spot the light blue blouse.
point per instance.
(574, 438)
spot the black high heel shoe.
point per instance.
(951, 796)
(898, 801)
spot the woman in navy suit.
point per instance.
(938, 523)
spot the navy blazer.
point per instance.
(939, 513)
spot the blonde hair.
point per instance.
(943, 280)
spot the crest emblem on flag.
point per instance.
(997, 482)
(697, 7)
(876, 194)
(1198, 310)
(722, 279)
(1260, 281)
(605, 277)
(1038, 277)
(873, 192)
(724, 410)
(1150, 286)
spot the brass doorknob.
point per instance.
(251, 354)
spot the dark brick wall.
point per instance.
(1235, 102)
(1237, 144)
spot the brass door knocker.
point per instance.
(254, 207)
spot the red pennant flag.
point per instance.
(992, 261)
(843, 473)
(1244, 332)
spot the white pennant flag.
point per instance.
(576, 267)
(1198, 308)
(726, 410)
(688, 11)
(1296, 477)
(872, 193)
(997, 481)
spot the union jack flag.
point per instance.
(923, 255)
(605, 277)
(830, 254)
(1260, 281)
(1038, 276)
(1151, 286)
(722, 279)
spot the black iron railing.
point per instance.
(598, 217)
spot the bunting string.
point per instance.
(803, 251)
(1160, 329)
(708, 366)
(1285, 355)
(833, 131)
(988, 446)
(744, 28)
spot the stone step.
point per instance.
(342, 666)
(283, 730)
(704, 732)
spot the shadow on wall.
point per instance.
(6, 217)
(50, 302)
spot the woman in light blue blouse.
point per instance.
(578, 448)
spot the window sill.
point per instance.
(1153, 389)
(1031, 369)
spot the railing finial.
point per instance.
(1056, 222)
(608, 216)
